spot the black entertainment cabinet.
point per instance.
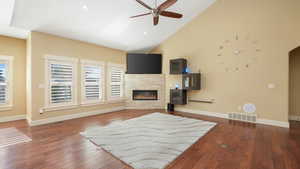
(178, 96)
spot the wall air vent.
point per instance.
(246, 117)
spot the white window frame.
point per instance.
(109, 83)
(9, 102)
(101, 66)
(49, 59)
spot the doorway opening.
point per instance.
(294, 84)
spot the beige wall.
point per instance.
(17, 49)
(44, 44)
(294, 108)
(271, 26)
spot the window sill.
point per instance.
(47, 109)
(119, 100)
(6, 107)
(91, 103)
(56, 108)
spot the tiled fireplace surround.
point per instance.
(145, 82)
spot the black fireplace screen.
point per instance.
(144, 95)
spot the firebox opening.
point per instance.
(144, 95)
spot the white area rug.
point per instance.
(151, 141)
(12, 136)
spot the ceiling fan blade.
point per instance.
(141, 15)
(145, 5)
(155, 20)
(171, 14)
(166, 5)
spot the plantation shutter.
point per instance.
(3, 84)
(116, 84)
(61, 82)
(92, 83)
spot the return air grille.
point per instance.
(252, 118)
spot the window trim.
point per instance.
(100, 65)
(60, 59)
(9, 61)
(115, 99)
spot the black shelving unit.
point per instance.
(178, 66)
(178, 96)
(191, 81)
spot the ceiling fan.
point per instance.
(160, 10)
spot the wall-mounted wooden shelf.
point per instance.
(202, 101)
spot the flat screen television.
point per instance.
(144, 63)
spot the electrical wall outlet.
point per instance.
(271, 86)
(240, 108)
(41, 86)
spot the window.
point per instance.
(92, 75)
(6, 82)
(116, 84)
(3, 83)
(61, 79)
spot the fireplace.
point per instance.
(144, 95)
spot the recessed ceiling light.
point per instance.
(145, 33)
(85, 7)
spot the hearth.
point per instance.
(144, 95)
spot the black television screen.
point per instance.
(144, 63)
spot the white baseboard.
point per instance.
(12, 118)
(72, 116)
(225, 116)
(294, 118)
(144, 108)
(204, 113)
(273, 123)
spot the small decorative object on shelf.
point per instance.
(187, 70)
(177, 86)
(191, 81)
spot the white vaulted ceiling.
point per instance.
(104, 22)
(6, 15)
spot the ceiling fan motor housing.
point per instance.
(155, 12)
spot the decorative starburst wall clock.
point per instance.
(238, 53)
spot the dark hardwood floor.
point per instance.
(230, 145)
